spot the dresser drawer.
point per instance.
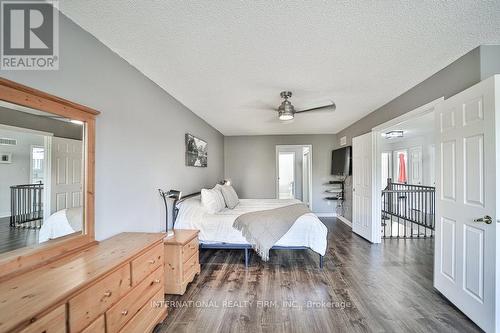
(52, 322)
(190, 266)
(128, 306)
(96, 299)
(189, 249)
(148, 316)
(97, 326)
(147, 263)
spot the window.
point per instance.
(400, 166)
(37, 164)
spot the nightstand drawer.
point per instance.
(52, 322)
(189, 249)
(190, 266)
(129, 305)
(147, 263)
(93, 301)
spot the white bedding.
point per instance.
(307, 231)
(61, 223)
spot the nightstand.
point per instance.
(181, 260)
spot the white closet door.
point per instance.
(415, 157)
(67, 174)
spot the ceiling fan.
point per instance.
(286, 110)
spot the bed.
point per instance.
(217, 232)
(61, 223)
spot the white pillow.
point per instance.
(212, 200)
(218, 187)
(230, 196)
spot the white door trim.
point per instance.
(310, 169)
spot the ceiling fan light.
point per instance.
(286, 116)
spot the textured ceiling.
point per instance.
(228, 60)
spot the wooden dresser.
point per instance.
(114, 286)
(181, 260)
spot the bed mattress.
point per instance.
(307, 231)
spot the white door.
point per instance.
(67, 174)
(305, 176)
(465, 263)
(432, 162)
(286, 175)
(416, 165)
(362, 177)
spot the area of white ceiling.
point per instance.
(227, 61)
(413, 128)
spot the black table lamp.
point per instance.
(169, 199)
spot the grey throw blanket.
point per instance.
(264, 228)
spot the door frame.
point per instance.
(377, 148)
(276, 170)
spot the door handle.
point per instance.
(486, 219)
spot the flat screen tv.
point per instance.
(341, 162)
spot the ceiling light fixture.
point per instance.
(394, 134)
(286, 110)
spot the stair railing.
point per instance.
(408, 211)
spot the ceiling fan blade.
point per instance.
(319, 108)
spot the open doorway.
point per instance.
(408, 193)
(294, 173)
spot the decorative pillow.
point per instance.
(230, 196)
(212, 200)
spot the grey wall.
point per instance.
(25, 120)
(250, 163)
(140, 133)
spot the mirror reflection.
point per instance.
(41, 176)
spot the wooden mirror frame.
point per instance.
(26, 258)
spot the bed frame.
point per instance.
(176, 196)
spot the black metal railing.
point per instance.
(408, 211)
(26, 206)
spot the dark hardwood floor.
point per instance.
(362, 288)
(15, 238)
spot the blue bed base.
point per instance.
(247, 247)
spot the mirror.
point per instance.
(42, 165)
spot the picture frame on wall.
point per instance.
(196, 151)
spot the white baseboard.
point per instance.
(4, 214)
(346, 221)
(325, 214)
